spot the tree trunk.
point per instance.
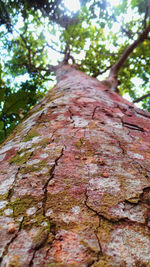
(75, 180)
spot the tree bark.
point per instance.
(75, 180)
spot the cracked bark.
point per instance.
(10, 242)
(82, 177)
(133, 126)
(51, 173)
(99, 216)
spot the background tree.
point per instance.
(104, 41)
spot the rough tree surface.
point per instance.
(75, 180)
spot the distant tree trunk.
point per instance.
(75, 180)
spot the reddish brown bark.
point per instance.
(75, 180)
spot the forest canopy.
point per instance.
(102, 38)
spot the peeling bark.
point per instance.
(75, 180)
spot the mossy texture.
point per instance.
(30, 135)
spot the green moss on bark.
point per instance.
(20, 207)
(31, 134)
(20, 159)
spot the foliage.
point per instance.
(14, 104)
(35, 33)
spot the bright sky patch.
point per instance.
(114, 2)
(72, 5)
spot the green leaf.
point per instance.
(1, 125)
(2, 93)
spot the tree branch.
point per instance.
(146, 13)
(67, 56)
(31, 67)
(118, 65)
(49, 68)
(56, 15)
(38, 51)
(141, 98)
(5, 17)
(127, 32)
(50, 46)
(101, 72)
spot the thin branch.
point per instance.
(141, 98)
(27, 47)
(49, 68)
(58, 17)
(30, 67)
(101, 72)
(127, 32)
(39, 50)
(5, 17)
(50, 46)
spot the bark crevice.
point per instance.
(11, 241)
(51, 173)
